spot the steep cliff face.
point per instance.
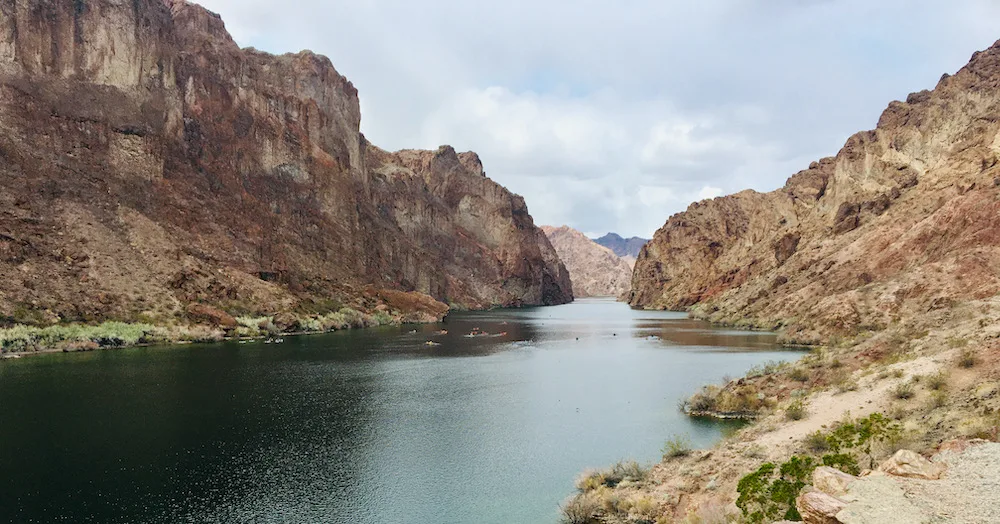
(466, 235)
(147, 162)
(594, 270)
(902, 221)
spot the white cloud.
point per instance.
(709, 192)
(609, 115)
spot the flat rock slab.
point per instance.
(879, 499)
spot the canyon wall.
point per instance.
(905, 219)
(594, 270)
(148, 163)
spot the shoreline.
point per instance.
(925, 376)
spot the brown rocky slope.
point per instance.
(594, 270)
(904, 220)
(148, 163)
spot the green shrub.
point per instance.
(937, 381)
(903, 391)
(108, 334)
(938, 399)
(383, 319)
(816, 442)
(353, 318)
(769, 368)
(769, 493)
(310, 324)
(627, 470)
(798, 375)
(796, 410)
(676, 446)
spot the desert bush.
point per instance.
(968, 359)
(938, 399)
(352, 318)
(796, 410)
(310, 324)
(584, 508)
(903, 391)
(769, 368)
(798, 375)
(676, 446)
(629, 470)
(816, 442)
(383, 319)
(937, 381)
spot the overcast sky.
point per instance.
(613, 115)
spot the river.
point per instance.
(367, 426)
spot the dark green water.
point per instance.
(369, 426)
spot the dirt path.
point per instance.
(829, 407)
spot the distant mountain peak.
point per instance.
(623, 247)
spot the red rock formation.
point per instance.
(147, 162)
(904, 219)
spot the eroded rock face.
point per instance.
(147, 163)
(594, 270)
(903, 220)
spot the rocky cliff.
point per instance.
(905, 219)
(594, 270)
(147, 163)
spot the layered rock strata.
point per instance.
(905, 219)
(148, 163)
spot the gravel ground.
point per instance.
(969, 493)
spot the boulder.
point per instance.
(817, 507)
(906, 463)
(286, 322)
(831, 481)
(210, 315)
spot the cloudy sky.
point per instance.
(611, 115)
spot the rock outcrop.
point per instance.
(966, 494)
(148, 163)
(594, 270)
(904, 220)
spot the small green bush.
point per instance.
(798, 375)
(937, 381)
(676, 446)
(938, 399)
(903, 391)
(816, 442)
(768, 494)
(796, 410)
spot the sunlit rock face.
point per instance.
(903, 220)
(594, 270)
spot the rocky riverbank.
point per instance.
(885, 259)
